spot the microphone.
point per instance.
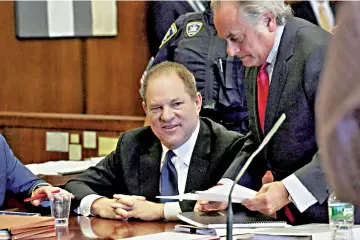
(242, 171)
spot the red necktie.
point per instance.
(262, 92)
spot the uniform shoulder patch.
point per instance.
(192, 28)
(169, 34)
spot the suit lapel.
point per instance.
(149, 170)
(280, 73)
(251, 85)
(199, 160)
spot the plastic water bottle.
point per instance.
(341, 214)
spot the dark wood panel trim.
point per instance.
(70, 121)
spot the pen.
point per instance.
(40, 196)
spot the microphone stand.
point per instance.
(242, 171)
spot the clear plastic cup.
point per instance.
(60, 209)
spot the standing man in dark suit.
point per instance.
(16, 178)
(284, 56)
(177, 153)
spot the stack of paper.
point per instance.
(173, 236)
(218, 193)
(307, 231)
(62, 167)
(28, 227)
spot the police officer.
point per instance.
(161, 14)
(192, 41)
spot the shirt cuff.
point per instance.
(39, 185)
(85, 205)
(171, 209)
(225, 181)
(301, 197)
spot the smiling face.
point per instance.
(252, 44)
(172, 112)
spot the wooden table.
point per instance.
(58, 181)
(81, 227)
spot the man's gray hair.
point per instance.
(253, 10)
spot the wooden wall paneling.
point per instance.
(26, 132)
(29, 144)
(114, 65)
(38, 75)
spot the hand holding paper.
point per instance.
(218, 194)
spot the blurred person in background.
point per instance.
(338, 107)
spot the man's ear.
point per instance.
(144, 107)
(198, 101)
(269, 21)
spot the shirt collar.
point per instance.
(184, 152)
(273, 53)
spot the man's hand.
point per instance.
(271, 198)
(102, 207)
(204, 206)
(146, 210)
(124, 203)
(47, 190)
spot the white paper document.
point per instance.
(169, 235)
(315, 231)
(217, 193)
(61, 167)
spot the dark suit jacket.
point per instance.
(292, 91)
(134, 167)
(304, 10)
(14, 176)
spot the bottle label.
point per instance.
(341, 211)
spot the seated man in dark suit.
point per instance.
(16, 178)
(179, 152)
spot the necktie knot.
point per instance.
(169, 155)
(263, 76)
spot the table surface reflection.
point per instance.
(81, 227)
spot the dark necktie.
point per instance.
(262, 93)
(169, 178)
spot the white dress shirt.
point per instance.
(329, 14)
(301, 197)
(181, 162)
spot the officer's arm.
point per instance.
(170, 41)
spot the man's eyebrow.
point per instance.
(175, 99)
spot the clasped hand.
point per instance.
(124, 207)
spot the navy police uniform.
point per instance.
(161, 14)
(192, 41)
